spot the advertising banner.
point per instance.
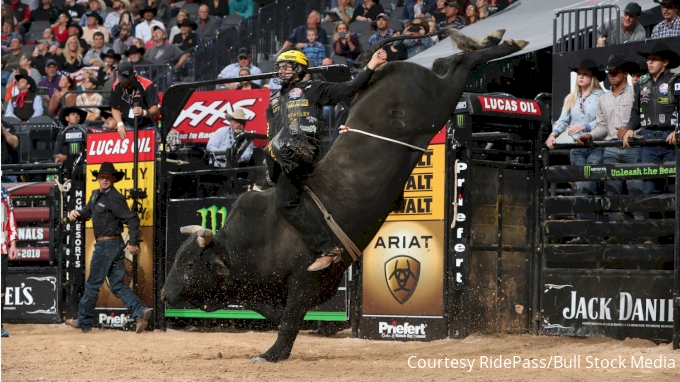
(32, 298)
(205, 112)
(609, 305)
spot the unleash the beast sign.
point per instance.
(205, 112)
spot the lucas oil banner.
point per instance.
(108, 147)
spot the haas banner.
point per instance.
(205, 112)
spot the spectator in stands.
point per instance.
(68, 116)
(246, 85)
(298, 38)
(74, 30)
(26, 64)
(453, 19)
(71, 59)
(368, 11)
(216, 8)
(134, 56)
(245, 60)
(493, 6)
(144, 29)
(8, 149)
(8, 15)
(26, 104)
(173, 140)
(346, 43)
(224, 138)
(314, 50)
(12, 90)
(61, 29)
(52, 42)
(107, 118)
(439, 14)
(652, 111)
(418, 45)
(124, 40)
(207, 26)
(94, 25)
(641, 71)
(395, 52)
(107, 73)
(51, 81)
(97, 7)
(181, 16)
(130, 90)
(46, 12)
(9, 239)
(243, 8)
(418, 8)
(471, 14)
(670, 26)
(10, 61)
(89, 83)
(93, 56)
(186, 39)
(162, 52)
(343, 12)
(383, 32)
(74, 10)
(578, 117)
(66, 84)
(7, 32)
(629, 30)
(483, 9)
(613, 114)
(23, 15)
(117, 9)
(126, 20)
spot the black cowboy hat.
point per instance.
(618, 61)
(187, 23)
(591, 65)
(71, 109)
(147, 9)
(76, 25)
(133, 49)
(31, 81)
(642, 67)
(665, 52)
(111, 53)
(105, 112)
(96, 16)
(667, 1)
(107, 168)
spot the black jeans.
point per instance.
(306, 219)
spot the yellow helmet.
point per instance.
(293, 56)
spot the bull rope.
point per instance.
(63, 187)
(345, 129)
(344, 239)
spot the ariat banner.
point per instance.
(205, 112)
(424, 190)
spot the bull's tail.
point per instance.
(464, 43)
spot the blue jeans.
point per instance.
(579, 157)
(614, 155)
(108, 260)
(658, 154)
(5, 77)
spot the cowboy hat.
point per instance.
(642, 67)
(111, 53)
(147, 9)
(665, 52)
(100, 21)
(187, 23)
(29, 79)
(71, 109)
(594, 68)
(102, 4)
(238, 115)
(107, 168)
(133, 49)
(667, 1)
(618, 61)
(126, 4)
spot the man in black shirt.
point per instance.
(133, 98)
(294, 118)
(45, 12)
(109, 211)
(187, 39)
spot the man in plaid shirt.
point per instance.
(381, 22)
(9, 240)
(670, 26)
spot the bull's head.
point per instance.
(197, 273)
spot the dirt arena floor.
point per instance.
(59, 353)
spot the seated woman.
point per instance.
(66, 83)
(89, 83)
(345, 43)
(246, 85)
(70, 59)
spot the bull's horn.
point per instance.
(204, 238)
(189, 229)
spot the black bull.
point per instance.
(259, 260)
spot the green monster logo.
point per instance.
(586, 171)
(74, 147)
(460, 118)
(212, 212)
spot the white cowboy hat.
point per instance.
(238, 114)
(101, 4)
(126, 4)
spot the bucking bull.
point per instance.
(259, 260)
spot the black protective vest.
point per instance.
(25, 113)
(656, 112)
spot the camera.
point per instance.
(342, 34)
(414, 28)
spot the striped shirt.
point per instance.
(662, 29)
(613, 111)
(8, 223)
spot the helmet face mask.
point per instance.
(298, 63)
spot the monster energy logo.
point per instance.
(586, 171)
(74, 147)
(212, 212)
(460, 120)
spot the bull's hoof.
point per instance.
(521, 43)
(498, 33)
(258, 360)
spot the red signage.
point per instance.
(108, 147)
(509, 105)
(440, 137)
(205, 112)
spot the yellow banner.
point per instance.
(403, 270)
(424, 191)
(146, 182)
